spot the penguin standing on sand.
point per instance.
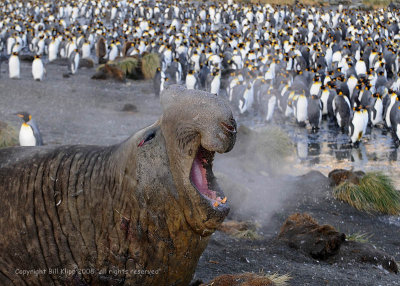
(38, 70)
(53, 50)
(270, 98)
(73, 61)
(14, 66)
(191, 80)
(29, 134)
(246, 102)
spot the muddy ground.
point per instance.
(78, 110)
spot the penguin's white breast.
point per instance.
(26, 137)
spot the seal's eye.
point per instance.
(150, 135)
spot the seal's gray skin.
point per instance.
(111, 212)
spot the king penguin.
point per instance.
(215, 82)
(191, 80)
(29, 134)
(314, 112)
(341, 109)
(74, 61)
(301, 109)
(13, 66)
(376, 112)
(157, 82)
(38, 70)
(356, 125)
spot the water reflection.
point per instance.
(331, 146)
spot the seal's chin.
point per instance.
(203, 180)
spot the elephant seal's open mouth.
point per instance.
(203, 180)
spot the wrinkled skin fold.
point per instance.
(127, 214)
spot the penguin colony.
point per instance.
(308, 63)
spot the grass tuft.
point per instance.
(274, 144)
(279, 280)
(150, 63)
(241, 230)
(128, 65)
(8, 135)
(374, 194)
(359, 237)
(248, 234)
(375, 4)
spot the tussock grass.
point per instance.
(128, 65)
(269, 146)
(8, 135)
(359, 237)
(374, 194)
(279, 280)
(150, 63)
(274, 144)
(376, 3)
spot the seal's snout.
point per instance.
(230, 130)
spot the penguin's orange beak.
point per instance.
(20, 115)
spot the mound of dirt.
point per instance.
(338, 176)
(301, 231)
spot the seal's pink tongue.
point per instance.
(198, 175)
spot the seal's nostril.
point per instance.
(228, 127)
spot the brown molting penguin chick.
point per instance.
(137, 213)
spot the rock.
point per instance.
(110, 71)
(301, 231)
(338, 176)
(367, 253)
(129, 108)
(86, 63)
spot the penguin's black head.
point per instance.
(24, 115)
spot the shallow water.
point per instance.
(329, 148)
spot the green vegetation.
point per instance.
(359, 237)
(128, 65)
(374, 194)
(8, 135)
(150, 63)
(376, 3)
(274, 144)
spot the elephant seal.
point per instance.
(136, 213)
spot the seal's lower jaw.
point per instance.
(203, 180)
